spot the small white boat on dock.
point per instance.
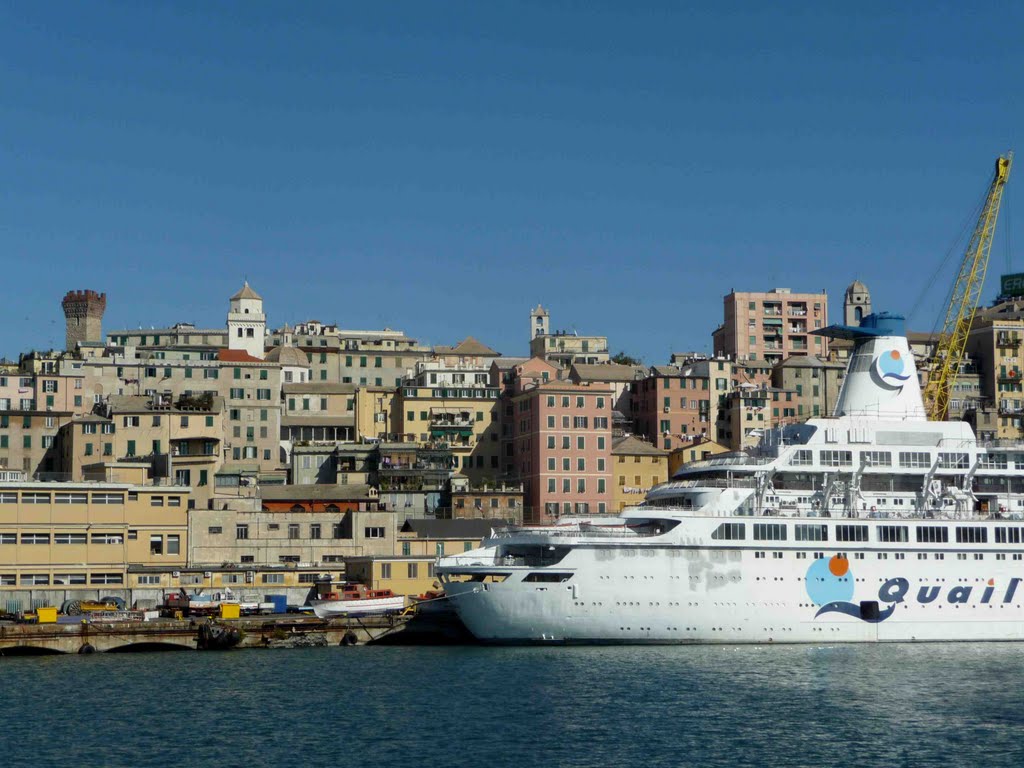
(356, 599)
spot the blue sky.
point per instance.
(442, 167)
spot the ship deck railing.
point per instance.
(837, 514)
(572, 532)
(714, 482)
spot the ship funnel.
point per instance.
(881, 377)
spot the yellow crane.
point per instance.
(964, 300)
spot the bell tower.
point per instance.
(539, 320)
(247, 325)
(856, 303)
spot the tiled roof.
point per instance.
(315, 492)
(468, 346)
(634, 446)
(808, 361)
(665, 370)
(607, 372)
(247, 293)
(236, 356)
(451, 529)
(507, 363)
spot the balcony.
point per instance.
(447, 427)
(1009, 374)
(1004, 339)
(197, 453)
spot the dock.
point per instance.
(266, 632)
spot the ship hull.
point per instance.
(690, 594)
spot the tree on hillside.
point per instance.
(623, 359)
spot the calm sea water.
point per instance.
(899, 705)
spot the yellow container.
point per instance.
(46, 615)
(230, 610)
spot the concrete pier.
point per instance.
(169, 634)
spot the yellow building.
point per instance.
(373, 412)
(410, 571)
(75, 537)
(29, 442)
(696, 451)
(437, 538)
(996, 342)
(638, 466)
(464, 417)
(403, 575)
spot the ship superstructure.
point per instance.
(874, 524)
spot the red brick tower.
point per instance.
(83, 312)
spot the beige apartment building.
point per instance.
(814, 382)
(618, 378)
(318, 412)
(564, 348)
(745, 414)
(468, 353)
(178, 335)
(250, 389)
(363, 358)
(495, 502)
(28, 442)
(81, 538)
(464, 417)
(996, 345)
(772, 325)
(178, 440)
(293, 525)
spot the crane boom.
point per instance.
(965, 298)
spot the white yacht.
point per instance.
(872, 525)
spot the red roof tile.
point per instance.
(236, 356)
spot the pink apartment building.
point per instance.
(772, 325)
(562, 440)
(675, 406)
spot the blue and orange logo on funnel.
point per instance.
(890, 366)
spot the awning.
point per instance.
(461, 431)
(239, 469)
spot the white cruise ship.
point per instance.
(872, 525)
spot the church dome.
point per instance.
(856, 287)
(288, 357)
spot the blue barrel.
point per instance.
(280, 602)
